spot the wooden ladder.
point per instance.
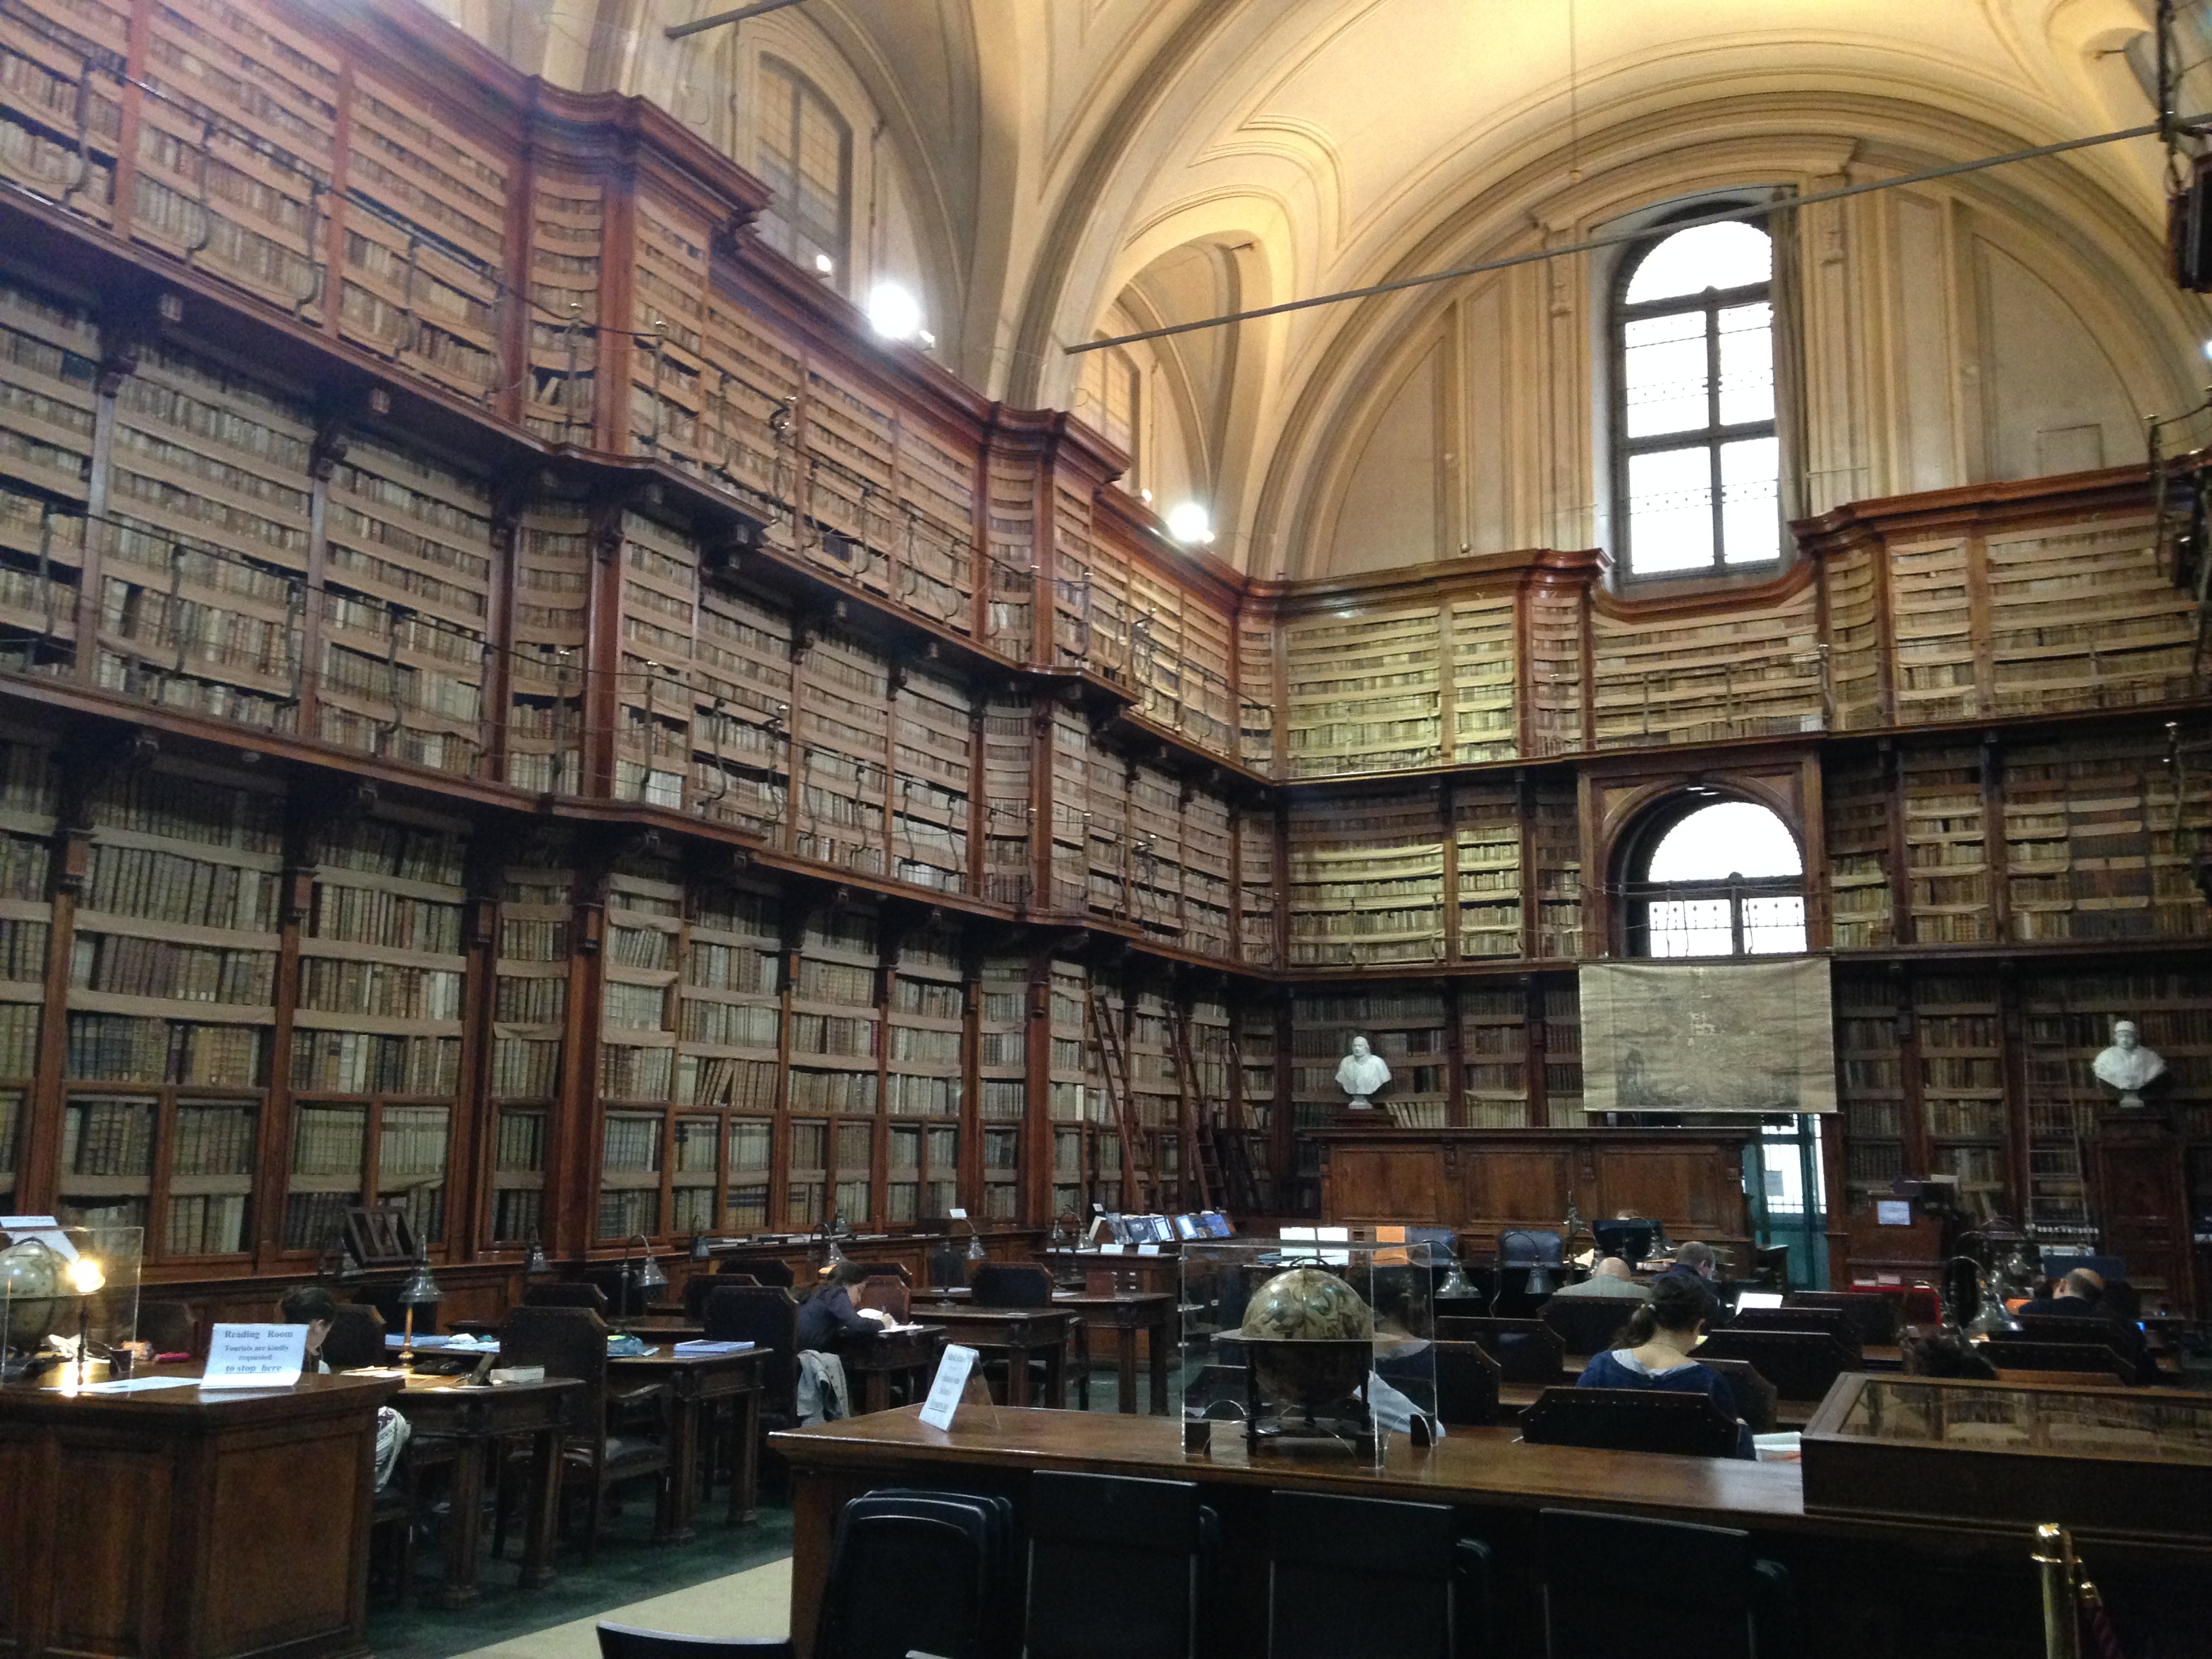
(1139, 1178)
(1200, 1154)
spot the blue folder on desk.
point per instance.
(698, 1349)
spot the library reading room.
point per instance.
(951, 830)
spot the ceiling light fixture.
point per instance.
(893, 312)
(1191, 524)
(824, 264)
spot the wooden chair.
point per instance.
(1877, 1318)
(1603, 1574)
(566, 1293)
(699, 1286)
(1012, 1284)
(1631, 1420)
(1381, 1579)
(766, 1270)
(1588, 1325)
(1801, 1365)
(168, 1327)
(1467, 1384)
(1753, 1395)
(1134, 1550)
(886, 1296)
(1525, 1349)
(356, 1339)
(573, 1342)
(2018, 1357)
(1835, 1322)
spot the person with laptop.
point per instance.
(1693, 1267)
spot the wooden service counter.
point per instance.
(181, 1524)
(1868, 1586)
(1488, 1181)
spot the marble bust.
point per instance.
(1360, 1073)
(2127, 1066)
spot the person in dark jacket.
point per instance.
(1693, 1266)
(1655, 1349)
(828, 1313)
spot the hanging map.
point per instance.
(1729, 1037)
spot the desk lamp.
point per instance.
(86, 1276)
(1539, 1281)
(421, 1290)
(1456, 1283)
(646, 1275)
(699, 1250)
(533, 1259)
(975, 1250)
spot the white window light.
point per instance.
(825, 264)
(1190, 524)
(893, 311)
(2207, 349)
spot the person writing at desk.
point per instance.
(317, 1309)
(1655, 1349)
(826, 1314)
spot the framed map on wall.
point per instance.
(1723, 1036)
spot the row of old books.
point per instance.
(136, 881)
(125, 964)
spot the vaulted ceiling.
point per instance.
(1053, 150)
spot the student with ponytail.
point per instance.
(1653, 1351)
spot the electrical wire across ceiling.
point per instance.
(1614, 239)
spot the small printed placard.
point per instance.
(1112, 1249)
(946, 1388)
(255, 1356)
(1892, 1211)
(1148, 1249)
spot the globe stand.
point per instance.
(1315, 1414)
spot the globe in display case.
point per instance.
(71, 1291)
(1310, 1348)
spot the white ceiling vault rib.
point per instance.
(1061, 153)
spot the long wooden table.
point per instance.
(697, 1383)
(476, 1420)
(1868, 1587)
(188, 1522)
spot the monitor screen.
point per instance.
(1631, 1240)
(1759, 1299)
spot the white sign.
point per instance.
(1892, 1213)
(255, 1356)
(957, 1214)
(946, 1388)
(1111, 1250)
(1148, 1249)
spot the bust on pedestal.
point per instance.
(1360, 1075)
(2127, 1066)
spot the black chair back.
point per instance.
(567, 1342)
(168, 1326)
(566, 1293)
(2009, 1353)
(1801, 1365)
(1877, 1318)
(766, 1270)
(1012, 1284)
(1753, 1395)
(1525, 1349)
(766, 1316)
(913, 1570)
(1834, 1320)
(1115, 1566)
(948, 1267)
(1588, 1325)
(2092, 1331)
(628, 1642)
(1379, 1579)
(1467, 1384)
(356, 1339)
(1605, 1574)
(1631, 1420)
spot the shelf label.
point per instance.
(1892, 1211)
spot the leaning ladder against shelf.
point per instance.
(1201, 1159)
(1139, 1181)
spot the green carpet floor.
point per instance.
(630, 1568)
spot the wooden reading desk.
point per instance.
(188, 1522)
(1868, 1586)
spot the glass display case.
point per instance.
(67, 1288)
(1308, 1348)
(2136, 1460)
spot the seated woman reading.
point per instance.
(826, 1312)
(1655, 1348)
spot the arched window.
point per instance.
(803, 151)
(1723, 880)
(1696, 465)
